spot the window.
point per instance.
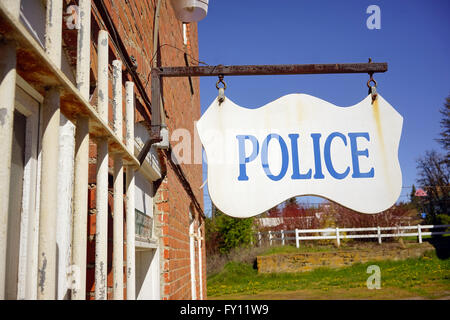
(147, 253)
(144, 208)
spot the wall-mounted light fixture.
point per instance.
(190, 10)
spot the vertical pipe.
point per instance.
(156, 34)
(192, 259)
(81, 152)
(101, 229)
(156, 101)
(49, 174)
(297, 240)
(130, 209)
(161, 116)
(118, 186)
(200, 265)
(7, 97)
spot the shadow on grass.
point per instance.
(441, 245)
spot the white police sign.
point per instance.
(301, 145)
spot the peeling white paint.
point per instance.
(130, 206)
(28, 103)
(118, 229)
(49, 196)
(65, 191)
(7, 92)
(79, 250)
(101, 235)
(118, 186)
(81, 151)
(50, 146)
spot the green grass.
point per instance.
(414, 275)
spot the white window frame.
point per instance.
(26, 96)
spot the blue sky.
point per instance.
(414, 39)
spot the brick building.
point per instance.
(69, 155)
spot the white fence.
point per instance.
(341, 233)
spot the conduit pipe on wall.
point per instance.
(200, 264)
(158, 116)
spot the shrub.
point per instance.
(234, 232)
(224, 233)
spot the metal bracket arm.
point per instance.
(243, 70)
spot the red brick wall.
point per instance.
(181, 108)
(134, 21)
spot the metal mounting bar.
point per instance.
(282, 69)
(244, 70)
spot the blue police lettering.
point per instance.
(247, 156)
(265, 157)
(242, 158)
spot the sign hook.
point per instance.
(221, 96)
(372, 88)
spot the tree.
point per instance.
(228, 233)
(412, 195)
(434, 176)
(415, 201)
(212, 236)
(291, 208)
(275, 212)
(445, 127)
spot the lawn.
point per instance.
(426, 277)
